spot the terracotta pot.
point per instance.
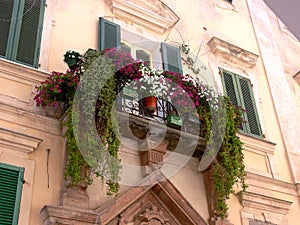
(150, 104)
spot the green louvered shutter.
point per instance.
(231, 91)
(109, 34)
(171, 58)
(6, 12)
(249, 104)
(29, 33)
(11, 181)
(239, 91)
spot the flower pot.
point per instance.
(150, 104)
(174, 121)
(55, 111)
(72, 62)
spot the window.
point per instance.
(11, 181)
(239, 91)
(137, 52)
(110, 37)
(20, 30)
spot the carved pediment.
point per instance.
(151, 14)
(150, 203)
(153, 204)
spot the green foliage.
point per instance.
(228, 167)
(91, 124)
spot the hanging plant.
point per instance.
(93, 129)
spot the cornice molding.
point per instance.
(32, 120)
(13, 140)
(257, 145)
(265, 203)
(21, 73)
(151, 14)
(232, 52)
(267, 184)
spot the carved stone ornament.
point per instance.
(151, 14)
(232, 53)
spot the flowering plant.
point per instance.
(72, 58)
(58, 87)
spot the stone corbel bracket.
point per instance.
(153, 15)
(232, 52)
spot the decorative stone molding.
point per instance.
(232, 52)
(263, 208)
(13, 140)
(152, 158)
(151, 14)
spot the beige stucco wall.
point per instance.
(73, 24)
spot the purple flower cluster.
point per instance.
(58, 87)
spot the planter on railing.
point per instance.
(150, 104)
(174, 121)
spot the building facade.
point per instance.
(241, 48)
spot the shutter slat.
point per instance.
(171, 58)
(109, 34)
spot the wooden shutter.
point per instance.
(109, 34)
(248, 101)
(11, 181)
(28, 35)
(171, 58)
(239, 91)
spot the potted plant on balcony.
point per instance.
(55, 93)
(72, 58)
(227, 167)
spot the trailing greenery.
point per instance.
(92, 129)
